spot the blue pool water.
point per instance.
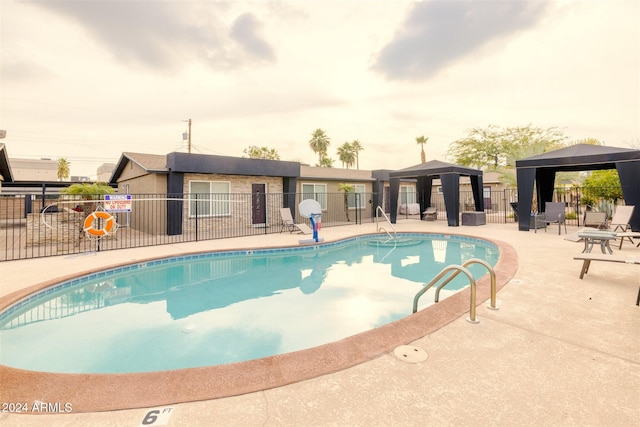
(224, 307)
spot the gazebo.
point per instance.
(449, 175)
(542, 169)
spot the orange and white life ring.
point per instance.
(109, 222)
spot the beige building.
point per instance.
(105, 171)
(34, 169)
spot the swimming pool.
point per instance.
(226, 307)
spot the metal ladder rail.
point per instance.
(492, 274)
(378, 228)
(459, 269)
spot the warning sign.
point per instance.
(117, 202)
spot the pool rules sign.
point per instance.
(117, 202)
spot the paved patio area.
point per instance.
(560, 351)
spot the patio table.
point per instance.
(601, 237)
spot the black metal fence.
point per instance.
(33, 226)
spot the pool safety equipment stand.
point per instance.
(311, 209)
(99, 224)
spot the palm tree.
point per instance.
(347, 188)
(319, 143)
(590, 141)
(86, 192)
(346, 154)
(326, 162)
(255, 152)
(63, 169)
(422, 140)
(357, 147)
(342, 152)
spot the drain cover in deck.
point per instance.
(410, 354)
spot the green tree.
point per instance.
(319, 143)
(590, 141)
(421, 140)
(85, 191)
(325, 162)
(495, 147)
(346, 154)
(64, 168)
(357, 148)
(255, 152)
(88, 191)
(603, 184)
(86, 194)
(347, 188)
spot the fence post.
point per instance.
(197, 216)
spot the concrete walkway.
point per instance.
(560, 351)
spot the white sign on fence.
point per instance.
(117, 202)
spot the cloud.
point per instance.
(23, 71)
(245, 32)
(167, 35)
(437, 33)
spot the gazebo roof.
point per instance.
(580, 157)
(434, 168)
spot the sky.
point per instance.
(87, 80)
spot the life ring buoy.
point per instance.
(108, 224)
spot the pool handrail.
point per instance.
(472, 282)
(379, 228)
(492, 305)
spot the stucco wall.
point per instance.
(240, 207)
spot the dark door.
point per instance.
(258, 202)
(486, 194)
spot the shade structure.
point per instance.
(541, 171)
(449, 175)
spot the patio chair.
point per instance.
(431, 214)
(596, 220)
(514, 208)
(553, 214)
(620, 223)
(621, 218)
(289, 224)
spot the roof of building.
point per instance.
(205, 163)
(5, 169)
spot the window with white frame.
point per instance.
(209, 198)
(355, 199)
(407, 194)
(317, 192)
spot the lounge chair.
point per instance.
(621, 218)
(409, 209)
(596, 220)
(514, 208)
(620, 223)
(431, 214)
(289, 224)
(587, 258)
(553, 214)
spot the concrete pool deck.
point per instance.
(560, 351)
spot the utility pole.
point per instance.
(187, 136)
(189, 142)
